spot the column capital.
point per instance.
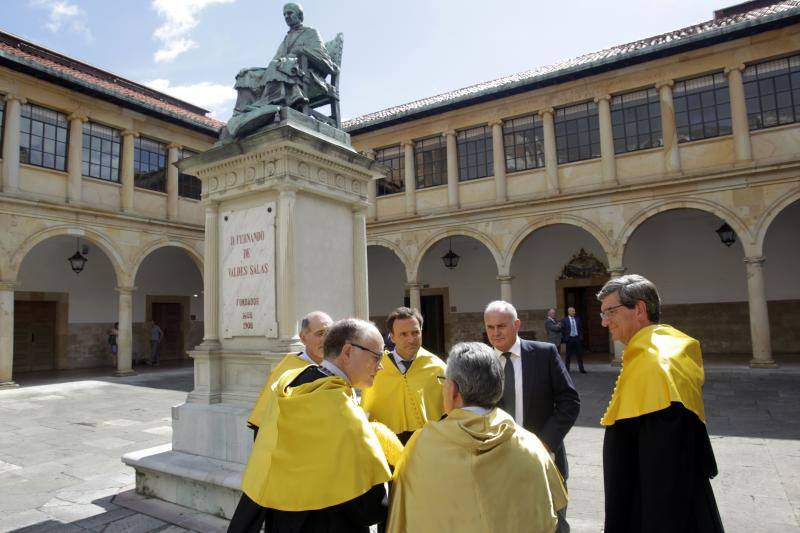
(665, 83)
(125, 290)
(359, 208)
(598, 99)
(740, 67)
(547, 111)
(370, 152)
(505, 279)
(407, 142)
(78, 116)
(285, 191)
(449, 132)
(416, 286)
(8, 285)
(170, 146)
(755, 260)
(496, 122)
(21, 99)
(616, 271)
(129, 133)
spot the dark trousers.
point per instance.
(575, 348)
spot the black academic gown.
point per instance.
(353, 516)
(656, 470)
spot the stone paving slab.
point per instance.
(62, 438)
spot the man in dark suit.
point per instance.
(572, 335)
(538, 391)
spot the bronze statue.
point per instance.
(295, 78)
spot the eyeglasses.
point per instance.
(376, 356)
(441, 379)
(607, 313)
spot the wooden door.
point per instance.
(169, 316)
(34, 336)
(583, 299)
(433, 322)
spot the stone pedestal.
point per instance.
(285, 217)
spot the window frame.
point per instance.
(395, 183)
(470, 150)
(432, 173)
(531, 149)
(639, 106)
(684, 101)
(189, 186)
(26, 138)
(755, 96)
(87, 149)
(157, 180)
(568, 132)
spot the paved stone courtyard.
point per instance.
(62, 436)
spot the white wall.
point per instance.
(168, 272)
(387, 280)
(782, 250)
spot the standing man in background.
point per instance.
(156, 336)
(553, 328)
(572, 333)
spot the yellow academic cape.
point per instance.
(290, 362)
(660, 365)
(315, 448)
(472, 474)
(404, 402)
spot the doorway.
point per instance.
(169, 316)
(433, 322)
(581, 294)
(34, 335)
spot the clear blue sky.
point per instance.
(394, 52)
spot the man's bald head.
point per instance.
(312, 333)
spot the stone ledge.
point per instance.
(163, 460)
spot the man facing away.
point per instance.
(538, 391)
(317, 465)
(572, 334)
(406, 394)
(476, 470)
(312, 334)
(657, 457)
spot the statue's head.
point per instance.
(293, 14)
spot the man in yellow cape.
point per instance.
(476, 470)
(317, 464)
(312, 334)
(406, 393)
(657, 457)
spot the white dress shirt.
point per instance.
(516, 360)
(307, 358)
(397, 358)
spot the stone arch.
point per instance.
(196, 257)
(453, 232)
(706, 206)
(769, 216)
(569, 220)
(98, 239)
(386, 243)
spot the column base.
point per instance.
(123, 373)
(759, 363)
(8, 385)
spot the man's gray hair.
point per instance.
(343, 331)
(500, 306)
(306, 322)
(477, 372)
(631, 289)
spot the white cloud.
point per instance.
(218, 99)
(62, 13)
(180, 17)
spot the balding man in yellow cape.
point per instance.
(476, 470)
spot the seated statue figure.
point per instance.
(300, 66)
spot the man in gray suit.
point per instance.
(553, 328)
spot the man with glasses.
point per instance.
(406, 394)
(317, 464)
(538, 391)
(476, 470)
(312, 334)
(657, 457)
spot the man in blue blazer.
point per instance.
(572, 335)
(538, 391)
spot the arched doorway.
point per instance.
(387, 283)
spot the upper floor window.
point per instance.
(577, 132)
(524, 143)
(43, 137)
(772, 92)
(702, 107)
(475, 156)
(149, 163)
(101, 147)
(188, 186)
(430, 162)
(2, 117)
(636, 121)
(394, 181)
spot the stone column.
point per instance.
(126, 172)
(452, 169)
(125, 337)
(759, 317)
(739, 122)
(7, 333)
(499, 159)
(414, 295)
(211, 280)
(672, 155)
(505, 287)
(606, 139)
(75, 158)
(11, 143)
(360, 270)
(372, 192)
(173, 152)
(285, 271)
(410, 178)
(550, 152)
(617, 346)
